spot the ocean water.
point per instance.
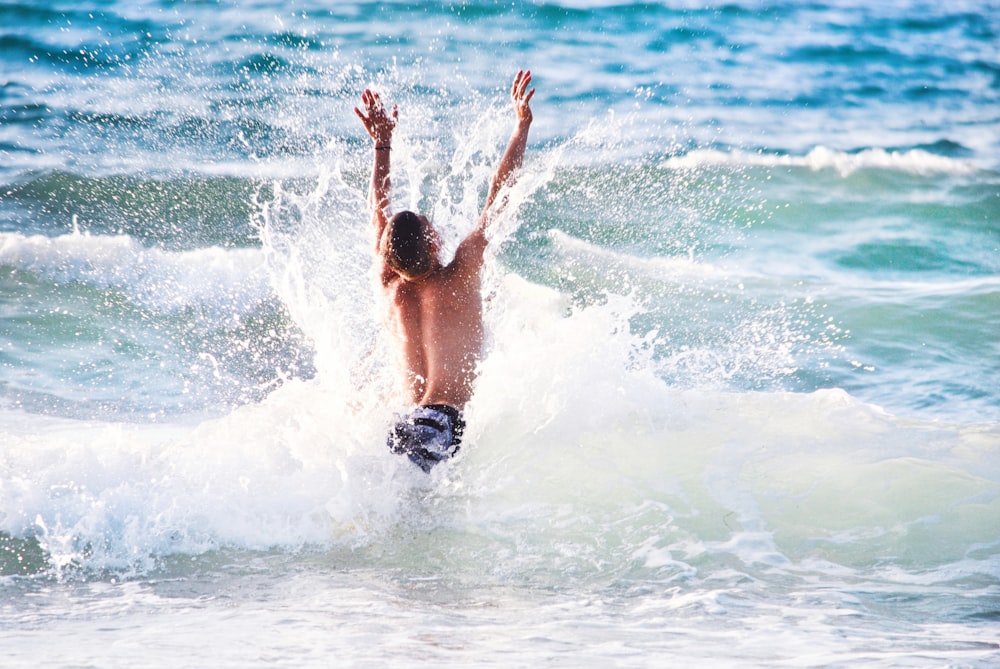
(740, 399)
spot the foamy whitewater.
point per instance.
(738, 404)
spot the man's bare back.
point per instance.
(435, 311)
(438, 322)
(436, 317)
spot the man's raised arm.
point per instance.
(379, 125)
(514, 154)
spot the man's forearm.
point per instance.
(378, 194)
(379, 124)
(511, 161)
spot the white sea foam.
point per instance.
(572, 441)
(914, 161)
(232, 279)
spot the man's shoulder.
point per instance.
(469, 256)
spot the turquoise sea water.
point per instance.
(740, 400)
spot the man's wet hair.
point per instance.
(409, 245)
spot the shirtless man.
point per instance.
(435, 310)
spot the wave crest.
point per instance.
(154, 278)
(913, 161)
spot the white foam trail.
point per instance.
(914, 161)
(658, 266)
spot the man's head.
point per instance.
(410, 245)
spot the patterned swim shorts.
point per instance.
(428, 434)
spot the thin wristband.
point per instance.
(383, 148)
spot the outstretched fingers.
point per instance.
(520, 94)
(376, 120)
(521, 83)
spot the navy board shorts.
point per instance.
(428, 434)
